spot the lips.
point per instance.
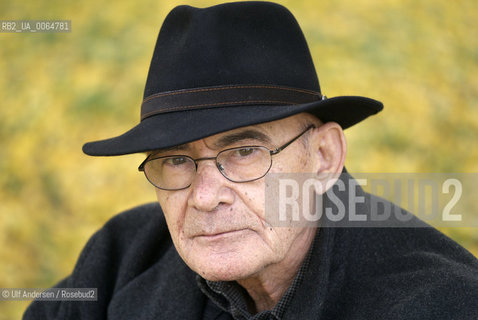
(217, 234)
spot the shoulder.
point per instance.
(400, 270)
(136, 224)
(127, 244)
(139, 227)
(411, 273)
(131, 261)
(132, 253)
(137, 217)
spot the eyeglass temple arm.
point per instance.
(141, 166)
(279, 149)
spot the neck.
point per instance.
(268, 286)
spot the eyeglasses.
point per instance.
(241, 164)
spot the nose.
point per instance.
(209, 188)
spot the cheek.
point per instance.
(252, 195)
(174, 208)
(286, 235)
(283, 240)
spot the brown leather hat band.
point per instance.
(189, 99)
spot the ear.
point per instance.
(330, 147)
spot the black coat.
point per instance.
(354, 273)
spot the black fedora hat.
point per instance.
(228, 66)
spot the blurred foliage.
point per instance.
(59, 90)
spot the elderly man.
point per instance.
(232, 98)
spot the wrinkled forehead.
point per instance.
(266, 134)
(251, 134)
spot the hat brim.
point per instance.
(176, 128)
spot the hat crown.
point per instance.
(230, 44)
(225, 67)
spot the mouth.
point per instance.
(220, 234)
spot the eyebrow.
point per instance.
(249, 134)
(181, 147)
(224, 141)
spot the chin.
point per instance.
(228, 257)
(223, 275)
(216, 268)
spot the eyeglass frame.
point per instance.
(218, 165)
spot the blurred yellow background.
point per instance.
(59, 90)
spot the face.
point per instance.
(218, 227)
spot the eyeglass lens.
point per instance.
(238, 165)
